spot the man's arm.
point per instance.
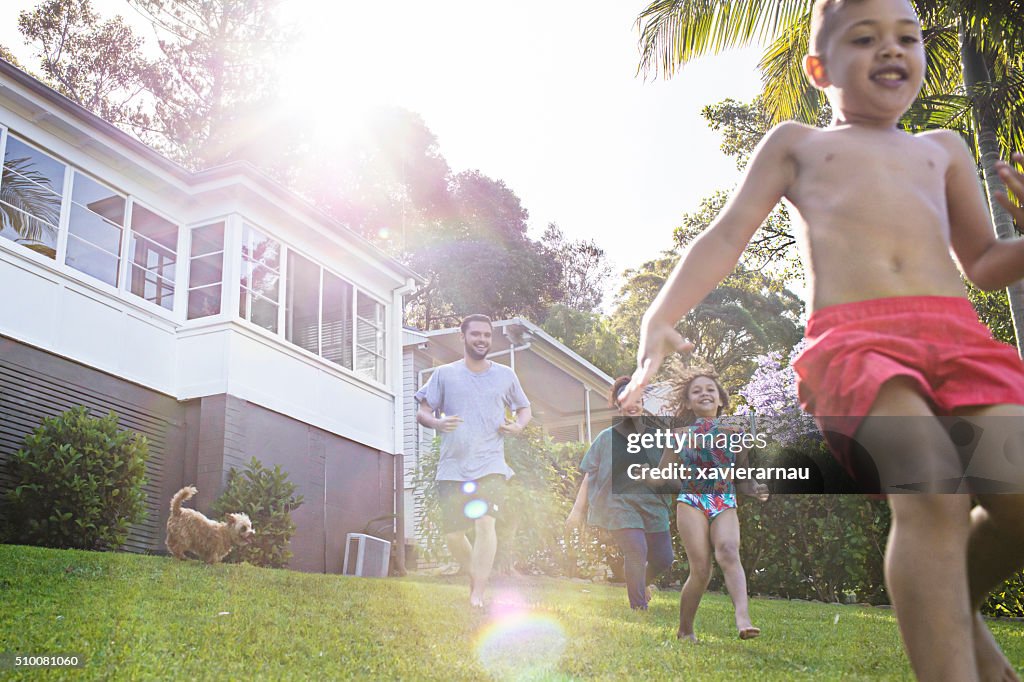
(714, 253)
(514, 428)
(989, 263)
(425, 416)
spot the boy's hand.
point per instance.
(1014, 182)
(657, 341)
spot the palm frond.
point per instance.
(674, 32)
(787, 92)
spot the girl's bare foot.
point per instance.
(993, 665)
(749, 632)
(686, 637)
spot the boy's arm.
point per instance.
(989, 263)
(714, 253)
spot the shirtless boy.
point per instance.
(891, 334)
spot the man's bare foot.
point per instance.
(686, 637)
(476, 594)
(750, 632)
(993, 666)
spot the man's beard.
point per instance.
(474, 354)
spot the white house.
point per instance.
(216, 312)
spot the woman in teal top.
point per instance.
(636, 517)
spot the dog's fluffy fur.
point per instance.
(190, 531)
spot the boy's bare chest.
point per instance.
(868, 177)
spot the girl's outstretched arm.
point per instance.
(714, 253)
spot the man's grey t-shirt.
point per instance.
(475, 449)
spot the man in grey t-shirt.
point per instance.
(467, 402)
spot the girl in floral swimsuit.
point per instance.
(706, 517)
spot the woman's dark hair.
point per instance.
(613, 395)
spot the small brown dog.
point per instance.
(190, 531)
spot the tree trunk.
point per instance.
(976, 71)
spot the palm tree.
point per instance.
(27, 207)
(974, 82)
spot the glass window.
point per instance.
(370, 348)
(94, 229)
(261, 275)
(205, 270)
(153, 250)
(31, 194)
(336, 328)
(302, 306)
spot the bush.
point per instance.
(531, 535)
(268, 498)
(77, 483)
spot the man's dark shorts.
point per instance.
(463, 502)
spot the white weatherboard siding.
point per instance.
(51, 305)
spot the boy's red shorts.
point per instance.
(936, 341)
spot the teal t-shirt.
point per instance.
(614, 500)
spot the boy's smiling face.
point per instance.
(872, 65)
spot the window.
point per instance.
(261, 275)
(152, 251)
(302, 309)
(336, 332)
(94, 229)
(370, 349)
(206, 270)
(31, 194)
(326, 315)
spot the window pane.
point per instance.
(101, 200)
(152, 249)
(206, 270)
(336, 331)
(204, 302)
(92, 228)
(207, 239)
(97, 214)
(30, 197)
(302, 312)
(370, 338)
(155, 228)
(86, 258)
(264, 314)
(153, 288)
(261, 280)
(261, 249)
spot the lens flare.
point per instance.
(469, 487)
(475, 509)
(521, 646)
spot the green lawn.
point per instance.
(136, 617)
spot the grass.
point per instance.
(138, 617)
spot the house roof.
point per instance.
(554, 377)
(100, 135)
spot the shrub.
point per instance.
(531, 536)
(77, 483)
(268, 497)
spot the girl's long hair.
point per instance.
(681, 387)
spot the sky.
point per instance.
(541, 94)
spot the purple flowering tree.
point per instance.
(771, 395)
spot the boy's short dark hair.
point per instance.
(823, 15)
(476, 317)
